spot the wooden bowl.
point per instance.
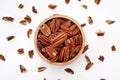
(68, 18)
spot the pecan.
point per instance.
(65, 24)
(23, 22)
(20, 51)
(69, 70)
(110, 22)
(84, 6)
(28, 18)
(100, 33)
(102, 79)
(59, 39)
(45, 30)
(10, 38)
(34, 9)
(90, 20)
(87, 59)
(83, 24)
(20, 6)
(31, 53)
(77, 40)
(2, 57)
(41, 69)
(75, 51)
(52, 6)
(101, 58)
(7, 18)
(70, 43)
(88, 66)
(29, 32)
(97, 1)
(67, 1)
(85, 48)
(51, 51)
(113, 48)
(64, 54)
(44, 40)
(22, 68)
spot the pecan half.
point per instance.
(101, 58)
(90, 20)
(59, 39)
(2, 57)
(7, 18)
(31, 53)
(20, 51)
(110, 22)
(67, 1)
(97, 1)
(113, 48)
(45, 30)
(10, 38)
(51, 51)
(41, 69)
(69, 70)
(28, 18)
(20, 6)
(84, 6)
(34, 10)
(85, 48)
(88, 66)
(22, 68)
(29, 32)
(100, 33)
(52, 6)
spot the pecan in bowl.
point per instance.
(59, 40)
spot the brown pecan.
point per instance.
(113, 48)
(87, 59)
(69, 70)
(77, 40)
(29, 32)
(23, 22)
(72, 27)
(70, 43)
(102, 79)
(90, 20)
(41, 69)
(88, 66)
(51, 51)
(28, 18)
(22, 68)
(10, 38)
(59, 39)
(20, 6)
(44, 40)
(2, 57)
(20, 51)
(65, 24)
(97, 1)
(7, 18)
(83, 24)
(85, 48)
(57, 23)
(110, 22)
(100, 33)
(101, 58)
(75, 51)
(45, 30)
(84, 6)
(52, 6)
(67, 1)
(31, 53)
(34, 9)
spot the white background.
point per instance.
(107, 9)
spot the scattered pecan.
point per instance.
(20, 6)
(84, 6)
(10, 38)
(2, 57)
(22, 68)
(88, 66)
(7, 18)
(29, 32)
(20, 51)
(113, 48)
(31, 53)
(34, 9)
(101, 58)
(97, 1)
(28, 18)
(110, 22)
(100, 33)
(84, 24)
(90, 20)
(67, 1)
(85, 48)
(87, 59)
(23, 22)
(69, 70)
(41, 69)
(52, 6)
(45, 30)
(44, 79)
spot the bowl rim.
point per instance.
(59, 16)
